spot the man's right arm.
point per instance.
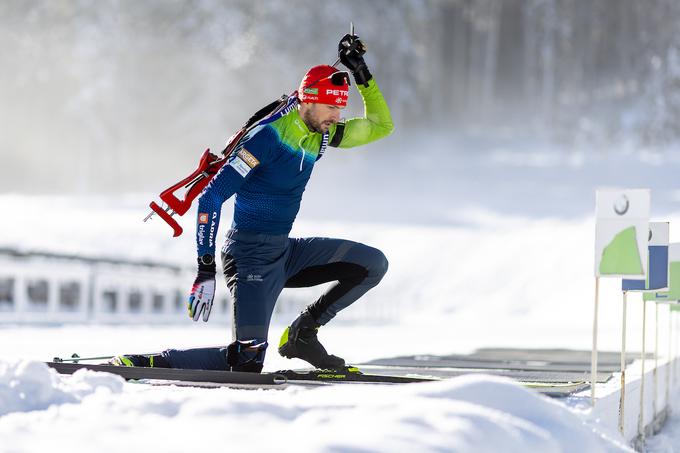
(225, 183)
(239, 167)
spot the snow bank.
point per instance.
(668, 440)
(472, 413)
(30, 386)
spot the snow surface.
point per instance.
(472, 413)
(496, 281)
(481, 279)
(668, 440)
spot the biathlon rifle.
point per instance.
(208, 166)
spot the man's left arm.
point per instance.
(376, 123)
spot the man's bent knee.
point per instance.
(377, 264)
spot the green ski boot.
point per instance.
(299, 341)
(147, 361)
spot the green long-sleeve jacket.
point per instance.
(270, 171)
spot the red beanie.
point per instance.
(317, 87)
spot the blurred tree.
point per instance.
(99, 94)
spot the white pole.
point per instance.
(641, 418)
(593, 357)
(670, 359)
(622, 401)
(677, 347)
(674, 349)
(655, 404)
(676, 361)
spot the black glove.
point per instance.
(203, 289)
(350, 51)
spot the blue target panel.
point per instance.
(657, 274)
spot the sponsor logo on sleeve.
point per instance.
(203, 218)
(248, 158)
(201, 235)
(240, 166)
(213, 225)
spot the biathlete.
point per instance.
(268, 173)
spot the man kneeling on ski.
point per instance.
(268, 172)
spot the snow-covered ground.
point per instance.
(466, 271)
(668, 440)
(99, 412)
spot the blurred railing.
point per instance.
(37, 287)
(44, 288)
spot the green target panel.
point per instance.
(621, 255)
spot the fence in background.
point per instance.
(39, 287)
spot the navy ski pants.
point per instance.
(258, 266)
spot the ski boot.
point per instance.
(147, 361)
(299, 341)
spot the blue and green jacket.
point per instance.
(271, 167)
